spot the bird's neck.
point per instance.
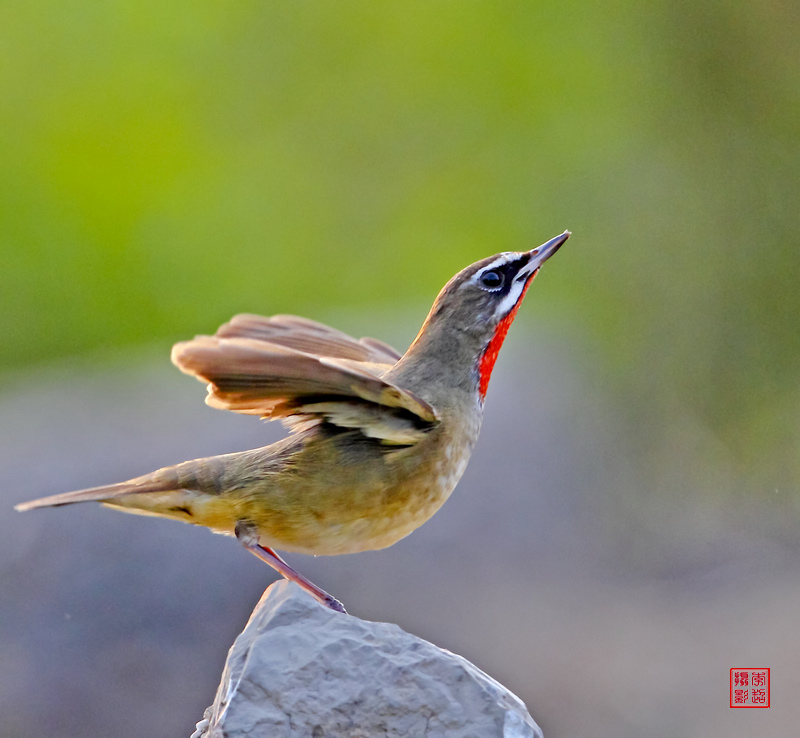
(489, 355)
(441, 365)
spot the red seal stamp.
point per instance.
(750, 687)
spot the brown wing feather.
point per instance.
(257, 377)
(309, 336)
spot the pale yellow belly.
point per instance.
(319, 494)
(344, 512)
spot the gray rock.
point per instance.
(300, 669)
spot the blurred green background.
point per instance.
(166, 165)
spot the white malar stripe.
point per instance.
(510, 299)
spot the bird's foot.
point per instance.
(247, 535)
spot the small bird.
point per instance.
(378, 440)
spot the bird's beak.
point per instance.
(542, 253)
(539, 255)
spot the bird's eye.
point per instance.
(492, 279)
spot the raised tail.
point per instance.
(175, 492)
(192, 492)
(95, 494)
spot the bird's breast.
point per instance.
(326, 492)
(419, 480)
(363, 496)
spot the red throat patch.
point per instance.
(489, 356)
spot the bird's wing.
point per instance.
(276, 380)
(308, 336)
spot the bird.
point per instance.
(377, 442)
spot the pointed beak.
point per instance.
(542, 253)
(539, 255)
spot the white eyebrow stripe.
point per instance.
(503, 258)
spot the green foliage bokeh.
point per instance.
(166, 165)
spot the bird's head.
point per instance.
(474, 310)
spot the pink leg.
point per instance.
(248, 537)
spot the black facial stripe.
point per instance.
(519, 263)
(509, 271)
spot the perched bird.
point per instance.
(378, 440)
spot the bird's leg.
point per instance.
(247, 535)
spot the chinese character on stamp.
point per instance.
(750, 687)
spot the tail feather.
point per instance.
(106, 492)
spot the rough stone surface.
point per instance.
(300, 669)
